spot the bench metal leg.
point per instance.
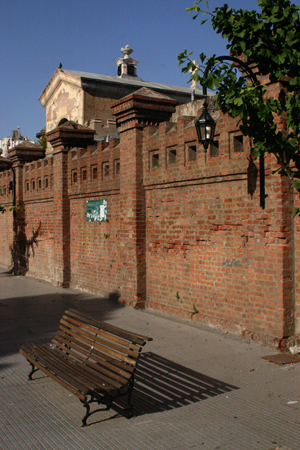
(128, 391)
(107, 401)
(33, 369)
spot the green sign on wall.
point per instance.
(96, 210)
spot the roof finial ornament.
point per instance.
(126, 51)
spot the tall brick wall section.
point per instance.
(296, 261)
(37, 213)
(133, 113)
(186, 231)
(132, 226)
(212, 252)
(6, 219)
(95, 246)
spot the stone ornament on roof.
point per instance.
(127, 66)
(126, 51)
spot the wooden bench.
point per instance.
(93, 360)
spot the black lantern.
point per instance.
(205, 127)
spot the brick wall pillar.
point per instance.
(19, 223)
(61, 216)
(62, 139)
(133, 113)
(20, 155)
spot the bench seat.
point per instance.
(93, 360)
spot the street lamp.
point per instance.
(205, 124)
(205, 127)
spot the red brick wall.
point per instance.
(94, 246)
(297, 269)
(186, 232)
(37, 213)
(211, 249)
(6, 220)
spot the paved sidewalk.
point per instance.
(196, 388)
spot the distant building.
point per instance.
(9, 142)
(86, 98)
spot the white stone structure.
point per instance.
(15, 139)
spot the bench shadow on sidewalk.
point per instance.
(162, 385)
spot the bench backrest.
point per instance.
(109, 350)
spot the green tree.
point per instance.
(269, 42)
(43, 141)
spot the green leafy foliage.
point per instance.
(268, 41)
(43, 141)
(11, 208)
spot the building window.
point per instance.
(172, 156)
(192, 153)
(238, 144)
(130, 69)
(214, 149)
(94, 172)
(105, 170)
(33, 185)
(84, 174)
(117, 167)
(154, 159)
(46, 183)
(74, 177)
(39, 183)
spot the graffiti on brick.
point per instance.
(236, 262)
(96, 210)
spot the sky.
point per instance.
(87, 35)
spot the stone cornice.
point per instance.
(24, 153)
(70, 136)
(142, 108)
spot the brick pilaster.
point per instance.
(62, 139)
(133, 113)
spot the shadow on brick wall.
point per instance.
(22, 246)
(252, 172)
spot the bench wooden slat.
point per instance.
(99, 346)
(96, 367)
(123, 342)
(94, 379)
(75, 371)
(103, 358)
(58, 366)
(133, 337)
(71, 385)
(87, 354)
(81, 330)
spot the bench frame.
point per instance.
(94, 360)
